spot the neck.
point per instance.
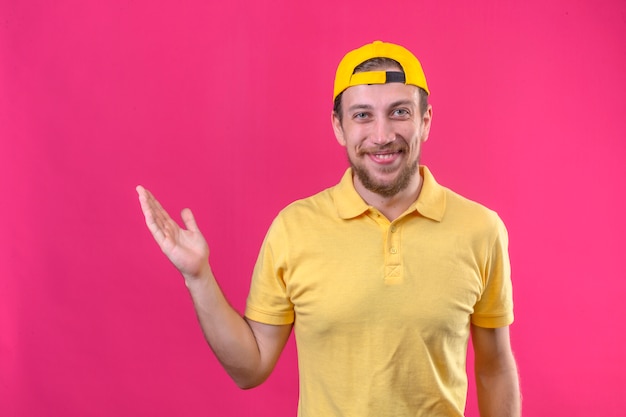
(391, 207)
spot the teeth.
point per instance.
(384, 156)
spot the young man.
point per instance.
(382, 277)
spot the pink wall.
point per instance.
(226, 109)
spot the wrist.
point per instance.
(198, 279)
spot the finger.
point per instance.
(140, 189)
(142, 193)
(153, 207)
(189, 220)
(157, 219)
(148, 206)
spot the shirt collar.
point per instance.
(348, 202)
(431, 202)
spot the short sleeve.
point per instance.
(268, 301)
(495, 307)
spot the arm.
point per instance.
(246, 349)
(496, 373)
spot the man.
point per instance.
(382, 276)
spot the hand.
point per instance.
(186, 249)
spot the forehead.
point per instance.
(380, 95)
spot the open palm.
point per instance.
(186, 248)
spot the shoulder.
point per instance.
(463, 215)
(304, 215)
(317, 204)
(440, 203)
(458, 205)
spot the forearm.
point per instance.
(228, 334)
(248, 352)
(498, 391)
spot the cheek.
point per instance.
(415, 143)
(418, 134)
(356, 138)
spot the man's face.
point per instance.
(382, 130)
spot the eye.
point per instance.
(360, 116)
(401, 113)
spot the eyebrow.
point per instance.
(360, 107)
(370, 107)
(402, 103)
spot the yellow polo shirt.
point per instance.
(381, 309)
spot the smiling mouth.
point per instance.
(385, 156)
(387, 150)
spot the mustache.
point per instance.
(392, 147)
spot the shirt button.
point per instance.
(393, 229)
(394, 250)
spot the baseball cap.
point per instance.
(413, 73)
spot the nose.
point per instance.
(382, 132)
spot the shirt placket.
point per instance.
(392, 270)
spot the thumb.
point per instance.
(189, 220)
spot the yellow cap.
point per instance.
(345, 77)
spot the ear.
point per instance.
(337, 128)
(426, 122)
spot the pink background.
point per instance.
(225, 108)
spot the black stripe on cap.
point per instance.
(395, 77)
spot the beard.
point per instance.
(386, 190)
